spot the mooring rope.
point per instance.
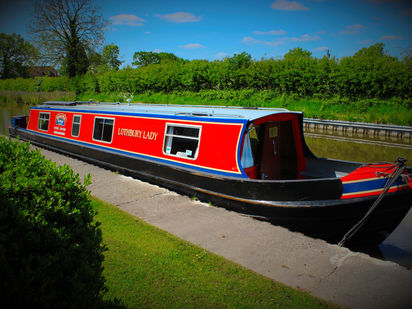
(401, 165)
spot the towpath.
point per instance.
(327, 271)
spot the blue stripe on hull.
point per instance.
(140, 156)
(369, 185)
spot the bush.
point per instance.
(51, 250)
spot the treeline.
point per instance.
(368, 74)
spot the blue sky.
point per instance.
(214, 29)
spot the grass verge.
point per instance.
(394, 111)
(147, 267)
(373, 111)
(34, 98)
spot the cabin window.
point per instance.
(182, 141)
(103, 129)
(247, 156)
(44, 119)
(76, 125)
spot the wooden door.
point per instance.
(270, 167)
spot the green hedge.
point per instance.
(51, 251)
(365, 75)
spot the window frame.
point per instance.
(42, 119)
(166, 135)
(94, 127)
(73, 123)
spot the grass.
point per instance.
(373, 111)
(34, 98)
(148, 268)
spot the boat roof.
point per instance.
(233, 112)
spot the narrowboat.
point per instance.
(251, 160)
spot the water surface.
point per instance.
(398, 246)
(7, 111)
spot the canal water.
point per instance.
(398, 246)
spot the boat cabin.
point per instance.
(253, 143)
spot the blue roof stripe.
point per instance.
(232, 113)
(176, 117)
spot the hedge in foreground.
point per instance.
(51, 251)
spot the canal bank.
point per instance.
(327, 271)
(356, 129)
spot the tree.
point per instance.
(239, 61)
(16, 56)
(144, 58)
(376, 50)
(95, 61)
(66, 31)
(110, 57)
(297, 52)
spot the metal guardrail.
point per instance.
(358, 128)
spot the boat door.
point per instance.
(270, 167)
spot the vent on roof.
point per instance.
(194, 114)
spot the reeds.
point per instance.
(34, 98)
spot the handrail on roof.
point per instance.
(198, 106)
(91, 102)
(69, 103)
(208, 115)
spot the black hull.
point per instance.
(312, 207)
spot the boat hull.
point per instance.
(312, 207)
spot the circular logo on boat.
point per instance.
(61, 119)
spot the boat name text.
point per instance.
(137, 133)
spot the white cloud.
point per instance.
(156, 50)
(127, 19)
(248, 40)
(180, 17)
(192, 46)
(252, 41)
(285, 5)
(366, 42)
(391, 37)
(271, 32)
(221, 55)
(305, 38)
(274, 43)
(352, 29)
(321, 48)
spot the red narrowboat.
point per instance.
(254, 161)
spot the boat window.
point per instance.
(247, 156)
(182, 141)
(44, 119)
(255, 143)
(76, 125)
(103, 129)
